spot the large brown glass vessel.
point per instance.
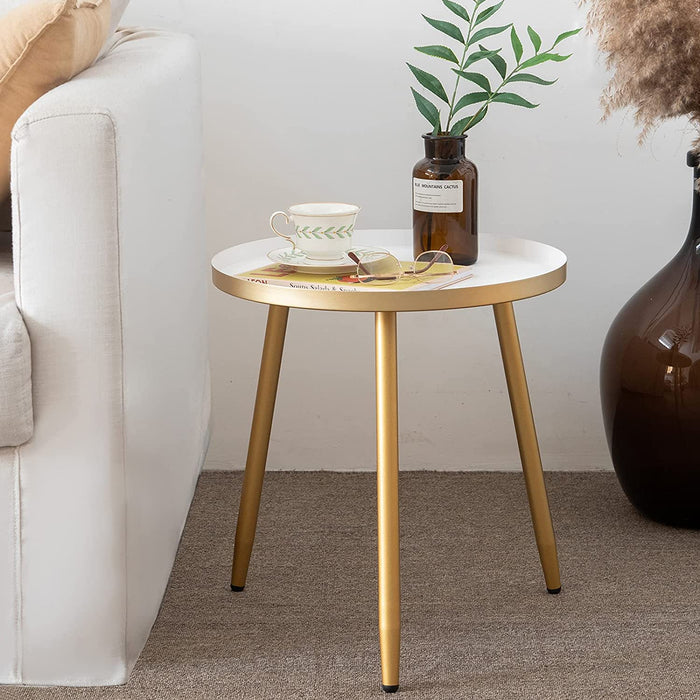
(650, 387)
(445, 200)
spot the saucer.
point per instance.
(300, 262)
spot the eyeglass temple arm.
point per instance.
(359, 264)
(442, 249)
(356, 260)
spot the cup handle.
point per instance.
(281, 235)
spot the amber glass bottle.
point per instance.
(650, 387)
(445, 200)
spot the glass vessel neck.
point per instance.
(445, 147)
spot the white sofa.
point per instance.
(110, 278)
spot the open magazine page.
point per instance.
(285, 276)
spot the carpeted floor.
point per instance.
(477, 622)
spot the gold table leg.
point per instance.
(258, 443)
(388, 499)
(527, 443)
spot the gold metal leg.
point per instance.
(258, 443)
(388, 499)
(527, 443)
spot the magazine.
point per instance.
(285, 276)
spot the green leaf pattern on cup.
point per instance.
(320, 233)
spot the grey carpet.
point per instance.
(477, 622)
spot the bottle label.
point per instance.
(441, 196)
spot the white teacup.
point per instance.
(323, 230)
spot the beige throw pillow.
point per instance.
(42, 45)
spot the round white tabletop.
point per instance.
(508, 269)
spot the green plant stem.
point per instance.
(491, 96)
(461, 67)
(496, 91)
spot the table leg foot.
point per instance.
(527, 443)
(388, 499)
(258, 443)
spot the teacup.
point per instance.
(322, 230)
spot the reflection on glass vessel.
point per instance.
(650, 387)
(445, 200)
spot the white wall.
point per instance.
(309, 100)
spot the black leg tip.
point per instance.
(554, 591)
(389, 688)
(238, 589)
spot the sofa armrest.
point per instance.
(111, 279)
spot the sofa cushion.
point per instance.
(16, 414)
(42, 45)
(117, 10)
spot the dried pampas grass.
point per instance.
(653, 47)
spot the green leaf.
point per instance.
(489, 31)
(479, 55)
(470, 99)
(510, 98)
(542, 58)
(481, 80)
(438, 52)
(430, 82)
(534, 38)
(516, 44)
(427, 109)
(448, 28)
(457, 9)
(479, 116)
(459, 126)
(566, 35)
(498, 62)
(488, 12)
(529, 78)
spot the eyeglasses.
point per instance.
(381, 267)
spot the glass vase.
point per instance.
(445, 200)
(650, 387)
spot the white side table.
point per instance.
(508, 269)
